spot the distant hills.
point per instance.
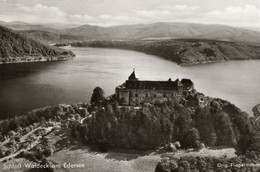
(50, 33)
(18, 25)
(58, 33)
(50, 37)
(184, 43)
(167, 31)
(15, 47)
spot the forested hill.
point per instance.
(15, 47)
(60, 33)
(165, 31)
(50, 37)
(184, 51)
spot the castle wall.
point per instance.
(137, 96)
(134, 92)
(124, 96)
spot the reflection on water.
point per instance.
(24, 87)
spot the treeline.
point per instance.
(152, 125)
(184, 51)
(247, 162)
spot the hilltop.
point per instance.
(166, 31)
(18, 25)
(15, 47)
(161, 30)
(81, 133)
(184, 51)
(50, 36)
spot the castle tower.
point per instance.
(133, 77)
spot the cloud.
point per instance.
(33, 13)
(236, 15)
(81, 18)
(247, 15)
(116, 18)
(103, 20)
(178, 7)
(167, 12)
(47, 14)
(152, 13)
(42, 13)
(41, 10)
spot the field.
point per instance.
(113, 161)
(84, 159)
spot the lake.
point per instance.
(24, 87)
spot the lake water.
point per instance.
(24, 87)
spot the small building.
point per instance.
(134, 92)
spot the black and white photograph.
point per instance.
(129, 85)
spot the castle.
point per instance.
(134, 92)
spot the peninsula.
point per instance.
(165, 117)
(17, 48)
(183, 51)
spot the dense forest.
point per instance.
(217, 123)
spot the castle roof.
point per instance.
(134, 83)
(155, 85)
(132, 76)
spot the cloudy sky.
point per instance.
(117, 12)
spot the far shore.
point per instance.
(183, 52)
(42, 60)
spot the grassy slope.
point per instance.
(78, 153)
(115, 161)
(184, 51)
(98, 162)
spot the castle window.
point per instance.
(136, 95)
(154, 95)
(130, 94)
(164, 95)
(147, 95)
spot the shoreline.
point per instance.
(180, 64)
(205, 62)
(36, 61)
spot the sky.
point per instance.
(245, 13)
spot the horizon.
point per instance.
(74, 25)
(105, 13)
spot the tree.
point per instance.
(224, 129)
(97, 96)
(192, 138)
(2, 151)
(48, 151)
(77, 117)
